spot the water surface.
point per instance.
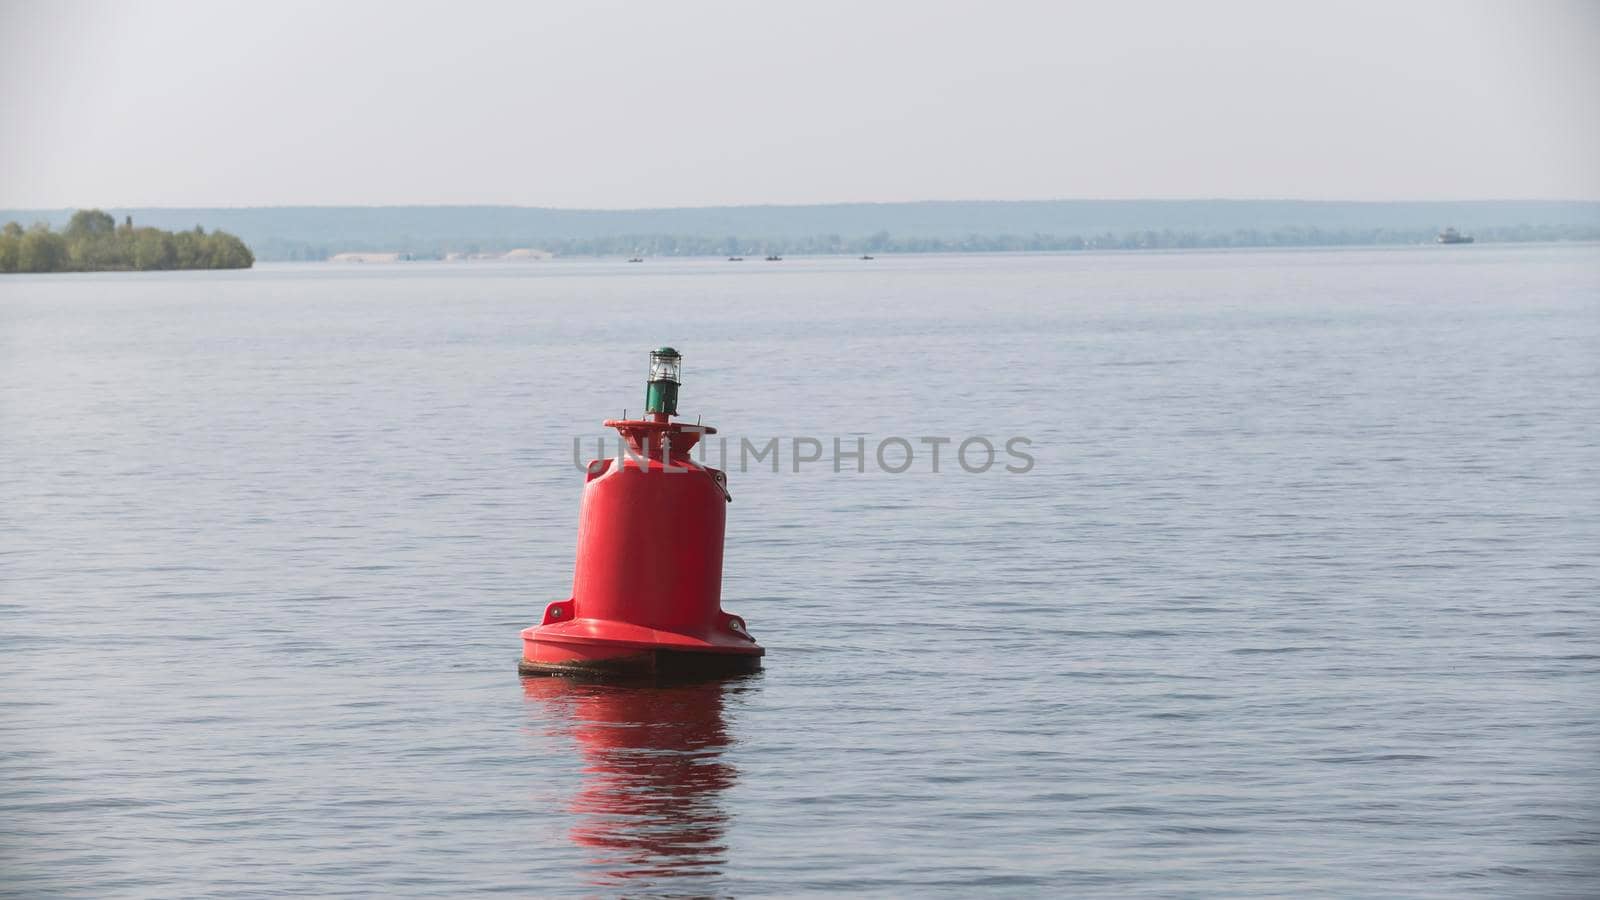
(1298, 597)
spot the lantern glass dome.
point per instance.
(666, 365)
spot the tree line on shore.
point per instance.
(884, 242)
(94, 242)
(1149, 239)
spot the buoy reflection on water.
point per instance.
(650, 802)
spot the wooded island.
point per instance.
(93, 242)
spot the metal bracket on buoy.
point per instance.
(721, 481)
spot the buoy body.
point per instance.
(647, 587)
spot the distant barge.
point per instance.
(1452, 236)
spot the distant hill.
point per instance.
(291, 232)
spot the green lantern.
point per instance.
(666, 373)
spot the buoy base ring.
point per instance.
(647, 663)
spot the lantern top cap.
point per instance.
(665, 351)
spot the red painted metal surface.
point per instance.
(647, 590)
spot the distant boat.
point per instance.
(774, 258)
(637, 259)
(1452, 236)
(864, 256)
(735, 259)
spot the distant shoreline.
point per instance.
(684, 248)
(422, 232)
(758, 264)
(92, 241)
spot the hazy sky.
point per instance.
(591, 104)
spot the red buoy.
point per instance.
(647, 590)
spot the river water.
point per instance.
(1297, 596)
